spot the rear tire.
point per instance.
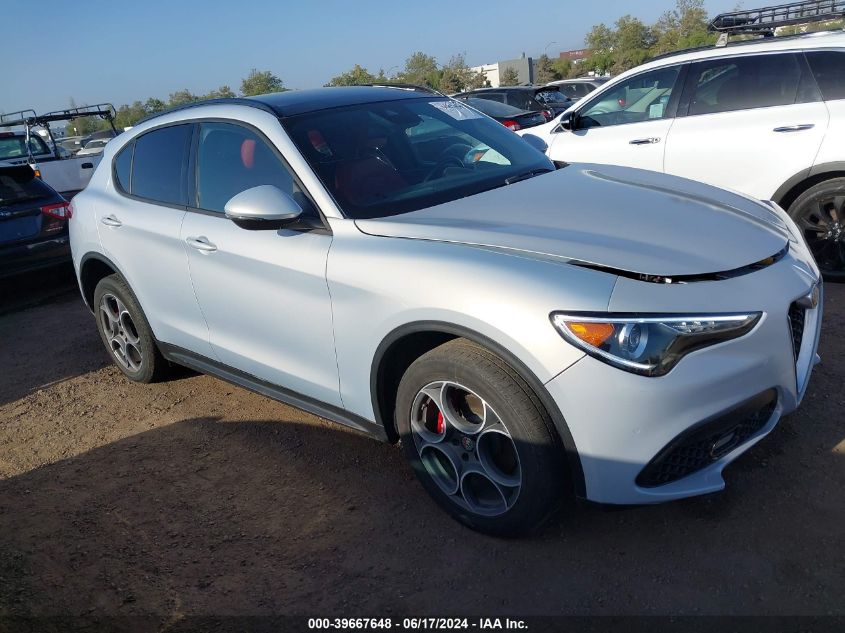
(819, 213)
(479, 440)
(126, 333)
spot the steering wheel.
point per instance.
(452, 155)
(438, 170)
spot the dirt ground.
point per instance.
(197, 497)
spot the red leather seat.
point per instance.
(367, 179)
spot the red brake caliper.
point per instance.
(441, 425)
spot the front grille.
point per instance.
(796, 325)
(705, 443)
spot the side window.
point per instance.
(491, 96)
(741, 83)
(643, 97)
(160, 165)
(122, 165)
(829, 70)
(232, 159)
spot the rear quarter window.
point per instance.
(829, 70)
(122, 167)
(159, 165)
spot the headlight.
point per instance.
(649, 345)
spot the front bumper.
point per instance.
(621, 422)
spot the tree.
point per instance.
(223, 92)
(129, 115)
(421, 70)
(563, 68)
(154, 105)
(632, 40)
(600, 41)
(261, 82)
(457, 76)
(181, 97)
(357, 76)
(545, 71)
(510, 77)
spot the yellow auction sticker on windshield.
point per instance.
(456, 110)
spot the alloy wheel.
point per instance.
(466, 448)
(120, 332)
(822, 221)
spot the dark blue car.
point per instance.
(33, 222)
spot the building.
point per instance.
(576, 56)
(524, 67)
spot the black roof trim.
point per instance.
(219, 101)
(293, 102)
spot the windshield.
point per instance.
(14, 146)
(550, 96)
(380, 159)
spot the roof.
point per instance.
(801, 41)
(294, 102)
(809, 41)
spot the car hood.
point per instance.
(615, 217)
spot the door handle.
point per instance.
(201, 243)
(644, 141)
(87, 165)
(110, 220)
(794, 128)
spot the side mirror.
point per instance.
(567, 121)
(262, 207)
(536, 142)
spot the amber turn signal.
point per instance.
(591, 333)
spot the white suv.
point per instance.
(765, 117)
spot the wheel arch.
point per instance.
(92, 268)
(800, 182)
(408, 342)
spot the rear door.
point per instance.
(747, 123)
(626, 124)
(139, 228)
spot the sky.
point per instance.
(118, 51)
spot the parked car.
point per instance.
(512, 118)
(525, 98)
(395, 261)
(33, 222)
(577, 88)
(765, 117)
(66, 173)
(93, 147)
(71, 144)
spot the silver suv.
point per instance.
(397, 262)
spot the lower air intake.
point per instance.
(704, 444)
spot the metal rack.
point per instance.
(765, 20)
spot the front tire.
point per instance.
(126, 333)
(819, 213)
(479, 440)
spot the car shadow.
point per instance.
(208, 516)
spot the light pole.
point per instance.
(546, 50)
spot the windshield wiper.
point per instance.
(526, 175)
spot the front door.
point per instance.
(263, 292)
(626, 124)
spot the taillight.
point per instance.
(512, 125)
(60, 210)
(548, 114)
(621, 102)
